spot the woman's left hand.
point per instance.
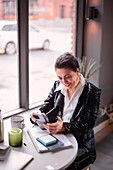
(55, 127)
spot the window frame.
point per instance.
(79, 28)
(23, 51)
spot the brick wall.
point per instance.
(47, 9)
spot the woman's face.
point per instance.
(67, 77)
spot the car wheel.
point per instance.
(46, 44)
(10, 48)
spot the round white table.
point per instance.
(58, 160)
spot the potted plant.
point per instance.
(87, 68)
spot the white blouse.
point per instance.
(70, 105)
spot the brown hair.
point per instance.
(67, 60)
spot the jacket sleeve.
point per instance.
(88, 115)
(49, 102)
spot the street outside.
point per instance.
(41, 69)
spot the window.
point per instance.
(9, 99)
(26, 81)
(33, 7)
(62, 8)
(43, 8)
(9, 8)
(71, 11)
(52, 40)
(33, 28)
(7, 27)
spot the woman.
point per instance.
(77, 102)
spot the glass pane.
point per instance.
(53, 20)
(8, 56)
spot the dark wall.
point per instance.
(106, 72)
(98, 44)
(93, 37)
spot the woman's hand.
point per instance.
(32, 117)
(55, 127)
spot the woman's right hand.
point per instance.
(32, 117)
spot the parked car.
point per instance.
(8, 37)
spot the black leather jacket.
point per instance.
(82, 122)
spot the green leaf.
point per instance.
(86, 68)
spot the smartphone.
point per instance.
(40, 119)
(52, 115)
(49, 117)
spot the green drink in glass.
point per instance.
(15, 137)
